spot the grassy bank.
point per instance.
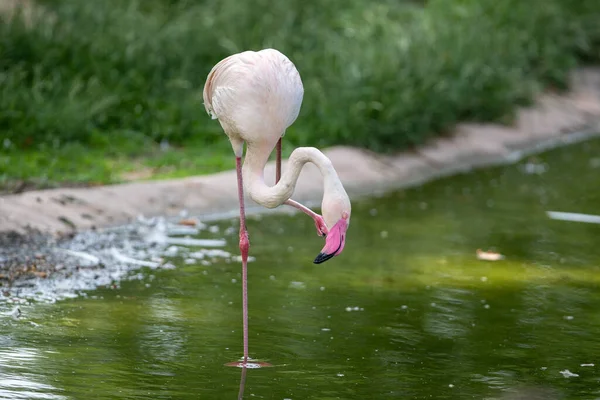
(92, 91)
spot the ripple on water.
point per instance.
(15, 383)
(249, 364)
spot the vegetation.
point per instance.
(89, 90)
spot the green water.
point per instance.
(431, 321)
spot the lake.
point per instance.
(407, 311)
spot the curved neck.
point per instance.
(272, 196)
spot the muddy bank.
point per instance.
(38, 267)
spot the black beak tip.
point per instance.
(322, 257)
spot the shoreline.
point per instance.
(553, 120)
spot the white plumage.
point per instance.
(255, 96)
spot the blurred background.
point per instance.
(103, 91)
(96, 92)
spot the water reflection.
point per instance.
(242, 383)
(163, 337)
(16, 380)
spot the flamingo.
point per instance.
(256, 96)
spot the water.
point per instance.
(408, 311)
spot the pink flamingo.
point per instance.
(256, 96)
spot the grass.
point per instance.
(103, 162)
(129, 159)
(75, 164)
(89, 90)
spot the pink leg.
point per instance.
(319, 222)
(244, 247)
(278, 162)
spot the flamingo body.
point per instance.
(255, 96)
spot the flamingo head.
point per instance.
(335, 238)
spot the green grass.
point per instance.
(76, 164)
(101, 162)
(384, 75)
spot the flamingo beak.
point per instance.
(334, 242)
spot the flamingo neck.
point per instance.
(272, 196)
